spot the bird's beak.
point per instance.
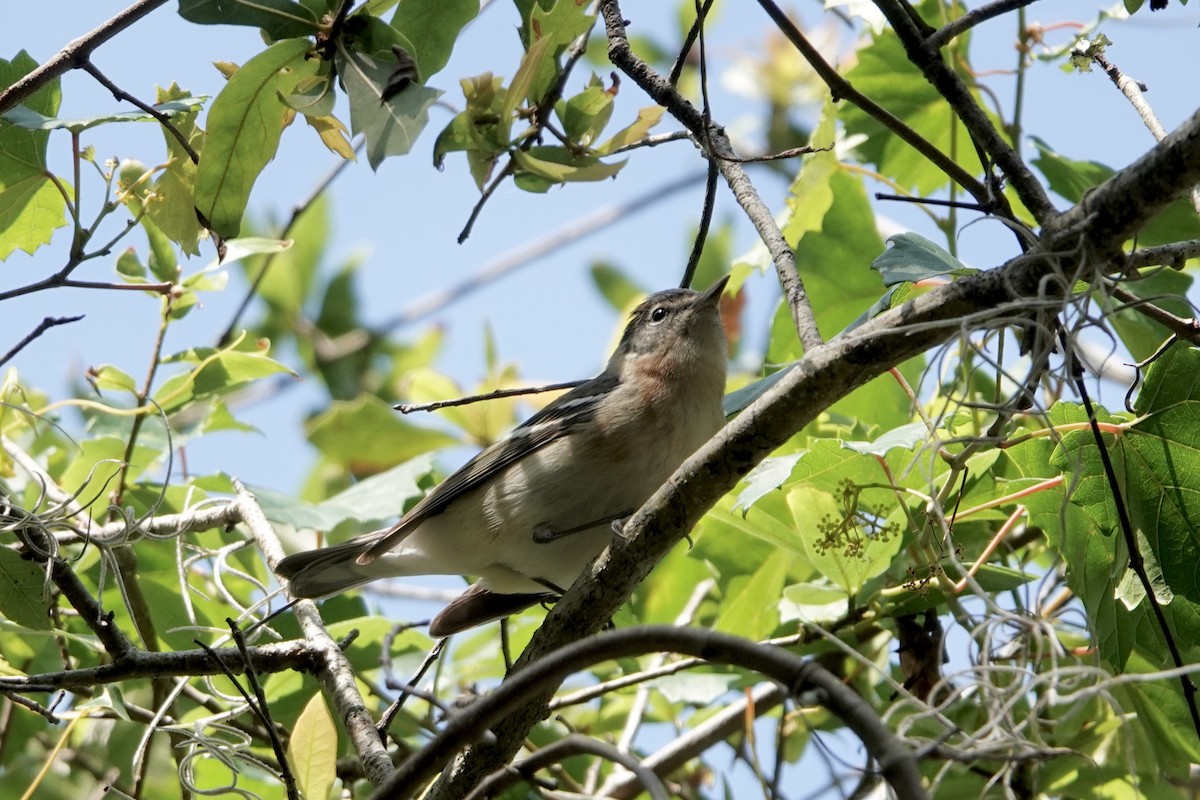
(710, 296)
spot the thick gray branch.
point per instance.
(827, 373)
(141, 664)
(897, 763)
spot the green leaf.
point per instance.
(31, 206)
(216, 372)
(639, 129)
(618, 288)
(855, 557)
(366, 436)
(372, 499)
(244, 126)
(559, 165)
(433, 28)
(906, 437)
(26, 118)
(313, 749)
(281, 19)
(173, 208)
(1166, 288)
(810, 196)
(391, 128)
(884, 70)
(539, 52)
(911, 258)
(21, 591)
(585, 115)
(108, 377)
(750, 607)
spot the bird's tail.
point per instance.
(327, 571)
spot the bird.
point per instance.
(527, 514)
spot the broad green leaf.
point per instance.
(811, 195)
(366, 436)
(433, 28)
(559, 24)
(108, 377)
(94, 466)
(244, 126)
(281, 19)
(558, 165)
(21, 591)
(906, 437)
(313, 749)
(216, 372)
(542, 50)
(585, 115)
(1166, 288)
(750, 607)
(884, 71)
(372, 499)
(391, 128)
(31, 206)
(813, 602)
(840, 548)
(911, 258)
(993, 578)
(694, 688)
(173, 208)
(26, 118)
(618, 288)
(769, 475)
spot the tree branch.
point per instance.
(75, 54)
(143, 664)
(715, 143)
(956, 93)
(801, 676)
(334, 671)
(823, 376)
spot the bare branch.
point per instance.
(334, 671)
(946, 34)
(717, 146)
(896, 762)
(46, 324)
(143, 664)
(74, 54)
(573, 744)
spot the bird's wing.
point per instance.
(548, 425)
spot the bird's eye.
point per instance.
(658, 314)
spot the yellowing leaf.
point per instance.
(312, 750)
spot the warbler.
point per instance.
(526, 515)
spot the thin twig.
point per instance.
(409, 408)
(593, 222)
(945, 34)
(263, 711)
(120, 94)
(843, 89)
(1133, 91)
(621, 54)
(958, 96)
(43, 326)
